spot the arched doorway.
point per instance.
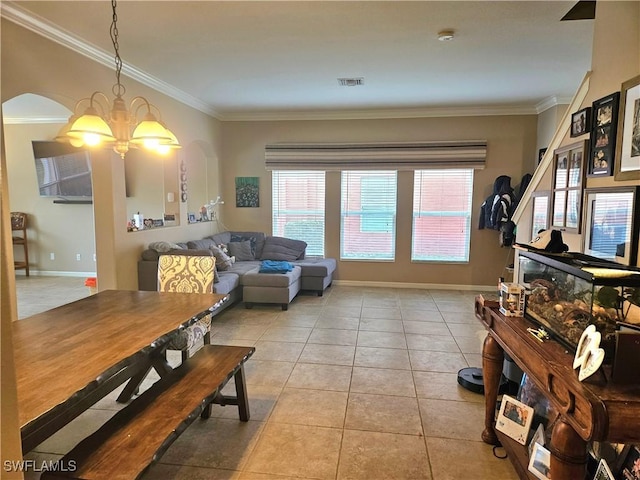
(61, 235)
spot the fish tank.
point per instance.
(569, 291)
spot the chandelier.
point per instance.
(119, 127)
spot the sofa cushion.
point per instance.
(241, 250)
(203, 244)
(243, 267)
(150, 255)
(316, 267)
(163, 247)
(228, 282)
(256, 279)
(221, 238)
(223, 261)
(280, 248)
(256, 239)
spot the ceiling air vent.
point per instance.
(351, 82)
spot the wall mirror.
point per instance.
(149, 178)
(195, 172)
(611, 228)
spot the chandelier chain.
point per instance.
(118, 89)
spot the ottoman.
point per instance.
(279, 288)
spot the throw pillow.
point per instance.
(203, 244)
(162, 247)
(223, 262)
(280, 248)
(245, 238)
(241, 250)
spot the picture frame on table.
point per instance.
(603, 472)
(540, 462)
(581, 122)
(514, 419)
(627, 165)
(604, 125)
(629, 463)
(191, 217)
(538, 438)
(611, 230)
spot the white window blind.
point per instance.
(368, 215)
(442, 215)
(298, 208)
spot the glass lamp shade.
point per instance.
(91, 128)
(166, 147)
(150, 133)
(65, 137)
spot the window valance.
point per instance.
(376, 156)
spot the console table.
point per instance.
(595, 409)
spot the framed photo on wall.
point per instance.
(541, 153)
(581, 122)
(611, 229)
(603, 135)
(627, 165)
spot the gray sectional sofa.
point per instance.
(242, 279)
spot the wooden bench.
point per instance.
(139, 434)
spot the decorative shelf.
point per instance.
(73, 202)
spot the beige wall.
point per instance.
(511, 145)
(616, 58)
(50, 224)
(33, 66)
(547, 124)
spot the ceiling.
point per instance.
(240, 60)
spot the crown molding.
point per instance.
(29, 120)
(15, 13)
(551, 102)
(477, 111)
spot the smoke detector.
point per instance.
(351, 82)
(445, 35)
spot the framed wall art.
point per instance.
(541, 153)
(611, 231)
(568, 180)
(603, 135)
(627, 165)
(581, 122)
(247, 192)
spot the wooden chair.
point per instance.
(188, 274)
(19, 224)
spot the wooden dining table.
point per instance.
(70, 357)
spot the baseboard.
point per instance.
(420, 286)
(52, 273)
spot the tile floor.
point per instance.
(357, 384)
